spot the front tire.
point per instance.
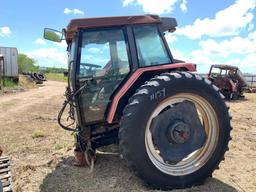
(136, 143)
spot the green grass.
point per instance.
(56, 77)
(38, 134)
(60, 146)
(9, 83)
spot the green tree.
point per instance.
(26, 64)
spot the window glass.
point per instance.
(71, 55)
(150, 46)
(215, 71)
(104, 53)
(224, 72)
(71, 51)
(104, 58)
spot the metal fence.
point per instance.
(251, 80)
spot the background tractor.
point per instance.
(125, 87)
(229, 79)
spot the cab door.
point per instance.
(103, 65)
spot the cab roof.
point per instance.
(225, 67)
(89, 23)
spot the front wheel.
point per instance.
(175, 130)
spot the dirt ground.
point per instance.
(41, 152)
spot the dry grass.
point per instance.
(26, 83)
(38, 134)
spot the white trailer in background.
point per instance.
(9, 64)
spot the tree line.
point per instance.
(27, 64)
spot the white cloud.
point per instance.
(227, 22)
(246, 64)
(249, 62)
(179, 55)
(170, 38)
(127, 2)
(239, 51)
(73, 11)
(198, 56)
(5, 31)
(94, 50)
(40, 41)
(100, 60)
(153, 6)
(62, 44)
(235, 62)
(78, 12)
(49, 57)
(250, 27)
(236, 45)
(203, 61)
(183, 6)
(68, 11)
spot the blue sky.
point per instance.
(213, 31)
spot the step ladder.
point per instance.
(5, 175)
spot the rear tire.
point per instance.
(134, 123)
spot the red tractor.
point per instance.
(229, 79)
(125, 87)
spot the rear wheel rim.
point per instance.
(198, 158)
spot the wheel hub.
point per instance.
(178, 133)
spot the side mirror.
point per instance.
(53, 35)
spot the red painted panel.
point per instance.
(135, 76)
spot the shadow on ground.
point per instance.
(110, 174)
(241, 100)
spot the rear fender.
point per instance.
(136, 79)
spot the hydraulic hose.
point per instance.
(67, 128)
(71, 97)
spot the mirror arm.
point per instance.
(64, 32)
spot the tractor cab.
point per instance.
(222, 70)
(103, 52)
(232, 72)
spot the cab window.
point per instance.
(150, 46)
(104, 52)
(104, 60)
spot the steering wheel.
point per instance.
(90, 65)
(89, 71)
(214, 75)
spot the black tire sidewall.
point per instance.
(1, 186)
(136, 125)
